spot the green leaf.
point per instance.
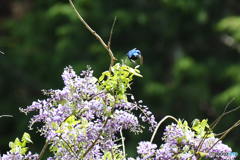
(26, 138)
(106, 73)
(17, 142)
(202, 154)
(24, 150)
(53, 148)
(195, 125)
(199, 127)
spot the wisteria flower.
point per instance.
(81, 120)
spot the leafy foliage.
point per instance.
(118, 82)
(20, 146)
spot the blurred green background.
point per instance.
(191, 56)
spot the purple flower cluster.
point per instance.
(19, 156)
(146, 149)
(180, 142)
(81, 120)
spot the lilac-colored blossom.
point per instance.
(98, 115)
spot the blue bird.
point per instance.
(135, 54)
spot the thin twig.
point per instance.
(95, 141)
(223, 114)
(96, 35)
(226, 132)
(46, 144)
(112, 154)
(43, 150)
(160, 124)
(124, 153)
(5, 116)
(219, 134)
(234, 126)
(110, 37)
(215, 123)
(69, 147)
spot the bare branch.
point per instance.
(96, 35)
(110, 37)
(124, 153)
(5, 116)
(166, 117)
(43, 150)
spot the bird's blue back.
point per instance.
(134, 54)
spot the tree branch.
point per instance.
(107, 47)
(166, 117)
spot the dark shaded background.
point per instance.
(191, 56)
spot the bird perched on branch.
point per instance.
(135, 54)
